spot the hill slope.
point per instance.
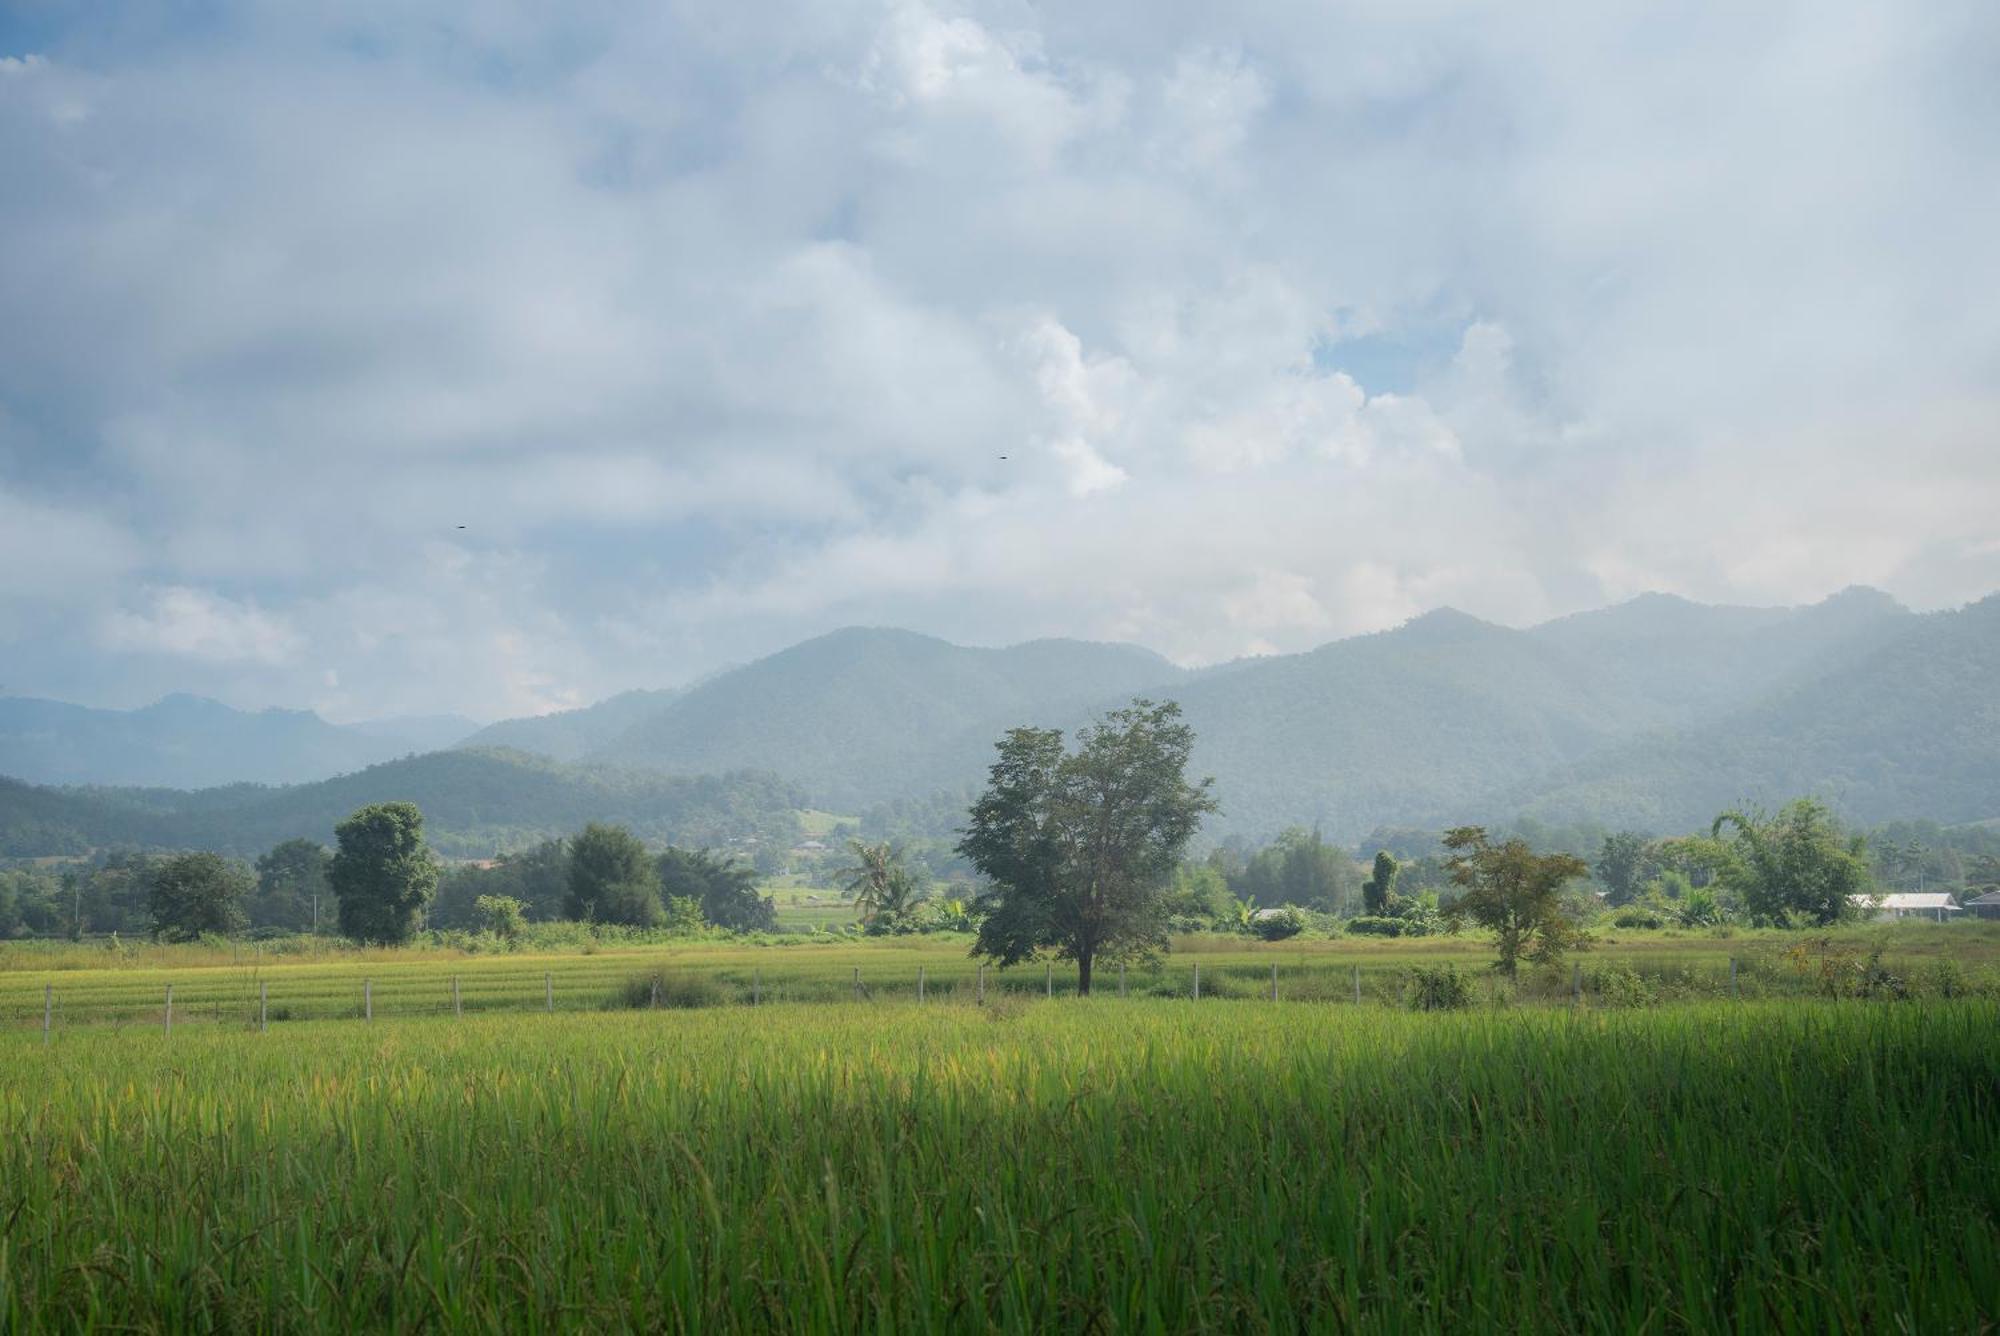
(474, 802)
(189, 742)
(863, 716)
(571, 735)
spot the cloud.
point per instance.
(198, 624)
(1289, 322)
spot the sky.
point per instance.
(406, 357)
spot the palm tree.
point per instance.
(878, 882)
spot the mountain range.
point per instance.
(1655, 713)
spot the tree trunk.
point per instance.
(1083, 961)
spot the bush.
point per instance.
(1369, 925)
(1618, 986)
(1638, 916)
(1440, 988)
(656, 988)
(1278, 924)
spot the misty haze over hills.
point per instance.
(1654, 713)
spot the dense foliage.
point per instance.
(382, 874)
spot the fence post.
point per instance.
(857, 983)
(549, 991)
(1274, 981)
(1357, 985)
(1732, 976)
(367, 999)
(920, 983)
(656, 994)
(264, 1006)
(982, 984)
(1575, 985)
(456, 1011)
(1049, 979)
(756, 987)
(1121, 978)
(48, 1010)
(1197, 981)
(170, 1009)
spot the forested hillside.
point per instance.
(474, 803)
(861, 716)
(189, 742)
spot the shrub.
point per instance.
(1278, 924)
(1638, 916)
(657, 988)
(1369, 925)
(1439, 988)
(1619, 986)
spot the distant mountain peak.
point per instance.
(1859, 599)
(1441, 624)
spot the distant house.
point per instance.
(809, 847)
(1986, 906)
(1910, 904)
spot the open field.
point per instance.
(1800, 1166)
(97, 984)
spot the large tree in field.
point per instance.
(291, 877)
(192, 894)
(1796, 865)
(1621, 861)
(382, 873)
(725, 888)
(612, 879)
(1080, 846)
(1513, 892)
(1380, 888)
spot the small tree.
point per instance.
(612, 879)
(1378, 890)
(725, 889)
(1513, 892)
(1621, 861)
(1795, 865)
(500, 915)
(882, 887)
(193, 894)
(1080, 846)
(382, 873)
(291, 882)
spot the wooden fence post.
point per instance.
(857, 983)
(367, 999)
(982, 983)
(48, 1010)
(456, 1011)
(170, 1009)
(1049, 979)
(1197, 981)
(1274, 981)
(549, 991)
(920, 983)
(756, 987)
(656, 994)
(1357, 985)
(1121, 978)
(1732, 976)
(264, 1006)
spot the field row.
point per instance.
(382, 985)
(1762, 1166)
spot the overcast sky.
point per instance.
(1221, 328)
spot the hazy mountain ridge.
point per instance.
(190, 742)
(474, 803)
(1654, 713)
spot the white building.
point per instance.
(1910, 904)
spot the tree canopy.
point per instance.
(724, 887)
(190, 895)
(382, 873)
(1798, 864)
(1513, 892)
(612, 879)
(1079, 846)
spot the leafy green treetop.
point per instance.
(192, 894)
(1377, 891)
(382, 873)
(1513, 892)
(1080, 846)
(1621, 863)
(612, 879)
(1795, 865)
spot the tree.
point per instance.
(1299, 868)
(500, 915)
(190, 895)
(1983, 874)
(1381, 884)
(1797, 864)
(291, 878)
(1079, 846)
(382, 873)
(881, 885)
(725, 889)
(1621, 862)
(612, 879)
(1514, 893)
